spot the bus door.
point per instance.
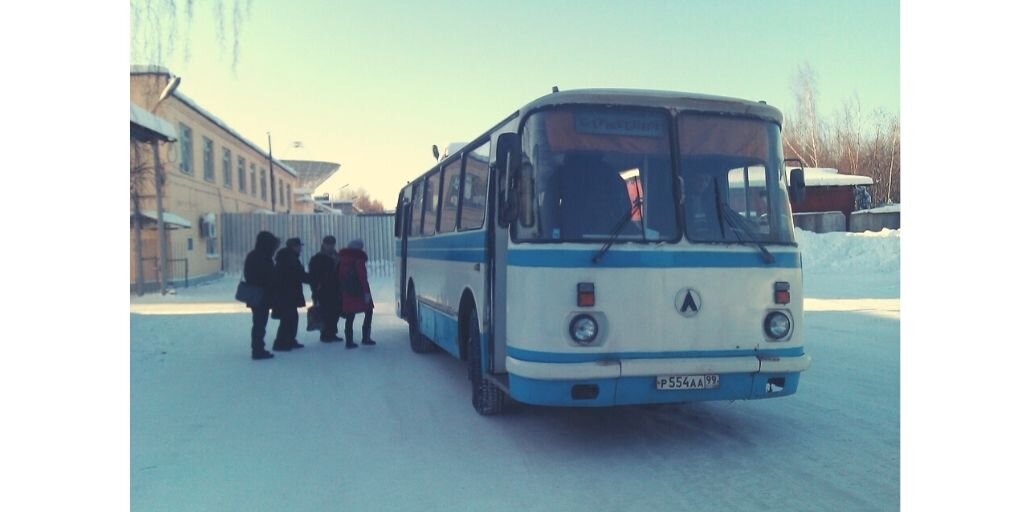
(405, 214)
(497, 260)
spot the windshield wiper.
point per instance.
(618, 229)
(723, 213)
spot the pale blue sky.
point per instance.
(373, 84)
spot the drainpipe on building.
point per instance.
(140, 279)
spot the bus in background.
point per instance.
(607, 247)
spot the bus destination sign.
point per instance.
(632, 125)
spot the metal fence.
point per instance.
(238, 232)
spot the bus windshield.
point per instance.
(593, 173)
(734, 188)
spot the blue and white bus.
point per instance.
(606, 247)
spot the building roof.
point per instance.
(813, 177)
(312, 172)
(827, 177)
(160, 70)
(170, 220)
(149, 121)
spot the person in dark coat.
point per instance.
(355, 291)
(289, 275)
(323, 278)
(259, 270)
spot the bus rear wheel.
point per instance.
(417, 341)
(488, 398)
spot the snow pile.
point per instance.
(872, 251)
(890, 208)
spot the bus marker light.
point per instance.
(585, 295)
(781, 292)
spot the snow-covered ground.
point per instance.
(382, 428)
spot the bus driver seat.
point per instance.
(593, 197)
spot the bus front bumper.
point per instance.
(634, 381)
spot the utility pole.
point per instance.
(270, 159)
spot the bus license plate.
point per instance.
(687, 381)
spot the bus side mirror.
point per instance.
(508, 159)
(797, 189)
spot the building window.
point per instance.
(211, 246)
(263, 184)
(208, 159)
(225, 163)
(252, 180)
(185, 148)
(289, 196)
(280, 190)
(241, 165)
(242, 177)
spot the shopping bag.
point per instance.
(249, 294)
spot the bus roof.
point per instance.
(666, 99)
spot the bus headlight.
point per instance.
(583, 329)
(777, 325)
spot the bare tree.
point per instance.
(162, 28)
(848, 136)
(804, 139)
(361, 199)
(141, 170)
(848, 140)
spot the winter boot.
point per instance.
(348, 340)
(261, 354)
(368, 341)
(281, 346)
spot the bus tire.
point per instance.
(488, 399)
(417, 341)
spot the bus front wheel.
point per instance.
(488, 399)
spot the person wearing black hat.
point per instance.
(323, 278)
(289, 274)
(259, 271)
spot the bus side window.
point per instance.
(430, 195)
(474, 187)
(417, 210)
(450, 202)
(399, 215)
